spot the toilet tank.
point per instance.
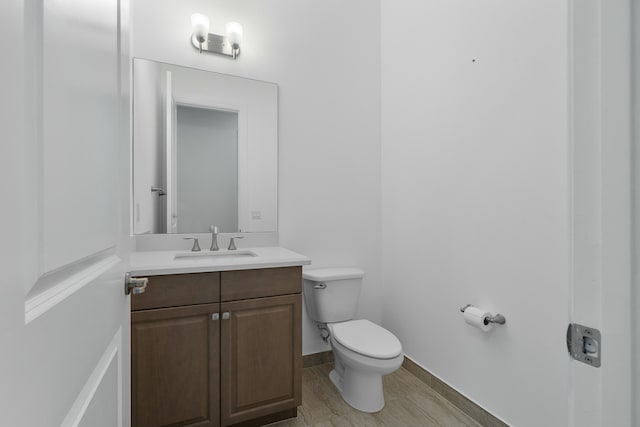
(331, 294)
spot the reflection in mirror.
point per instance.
(204, 151)
(207, 152)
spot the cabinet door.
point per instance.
(175, 361)
(261, 359)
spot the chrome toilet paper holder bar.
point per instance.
(497, 318)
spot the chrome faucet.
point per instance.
(196, 246)
(232, 243)
(214, 238)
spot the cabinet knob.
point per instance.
(215, 316)
(225, 315)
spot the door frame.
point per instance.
(601, 206)
(635, 170)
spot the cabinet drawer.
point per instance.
(266, 282)
(178, 290)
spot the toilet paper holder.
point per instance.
(497, 318)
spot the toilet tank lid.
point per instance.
(333, 273)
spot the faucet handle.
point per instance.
(196, 245)
(232, 243)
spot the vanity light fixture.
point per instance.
(205, 41)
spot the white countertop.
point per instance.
(158, 263)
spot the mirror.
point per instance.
(205, 151)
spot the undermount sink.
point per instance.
(209, 255)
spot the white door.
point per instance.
(601, 207)
(64, 164)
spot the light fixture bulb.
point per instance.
(234, 34)
(200, 25)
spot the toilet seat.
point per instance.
(366, 338)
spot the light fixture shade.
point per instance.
(234, 34)
(200, 25)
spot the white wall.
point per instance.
(329, 112)
(207, 144)
(475, 196)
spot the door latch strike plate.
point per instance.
(584, 344)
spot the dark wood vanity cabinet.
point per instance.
(231, 356)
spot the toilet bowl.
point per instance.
(363, 351)
(361, 361)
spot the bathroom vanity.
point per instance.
(216, 341)
(216, 337)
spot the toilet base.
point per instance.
(362, 392)
(358, 377)
(336, 379)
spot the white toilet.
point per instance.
(363, 351)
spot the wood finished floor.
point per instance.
(409, 402)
